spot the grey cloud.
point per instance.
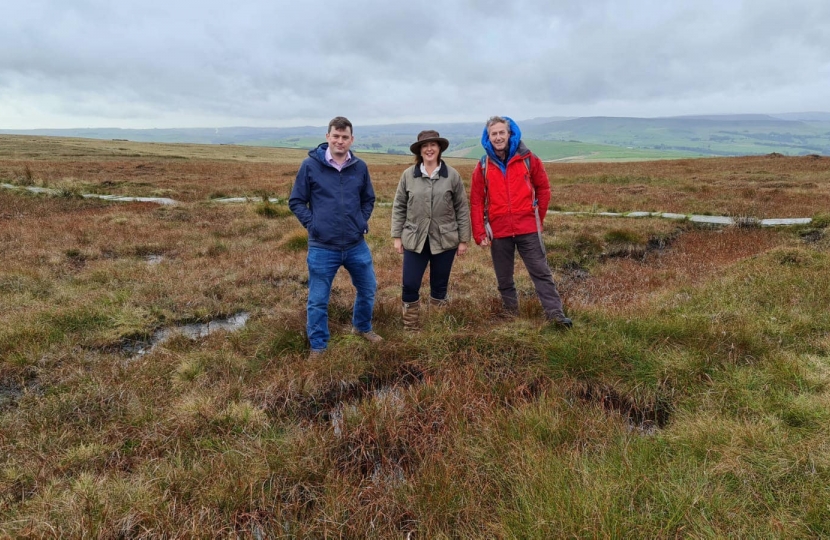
(278, 63)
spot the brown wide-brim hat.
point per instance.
(428, 135)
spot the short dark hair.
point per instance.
(341, 123)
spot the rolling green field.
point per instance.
(293, 142)
(690, 400)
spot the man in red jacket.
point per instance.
(509, 198)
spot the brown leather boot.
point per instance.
(411, 315)
(436, 303)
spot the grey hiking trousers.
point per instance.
(503, 252)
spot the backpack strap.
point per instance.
(488, 231)
(483, 162)
(529, 182)
(535, 202)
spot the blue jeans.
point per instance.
(323, 265)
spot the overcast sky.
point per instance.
(206, 63)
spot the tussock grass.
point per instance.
(690, 399)
(821, 221)
(295, 241)
(270, 210)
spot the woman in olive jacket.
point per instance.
(430, 224)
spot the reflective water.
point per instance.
(193, 331)
(11, 391)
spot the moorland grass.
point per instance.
(690, 399)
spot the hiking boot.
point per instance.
(316, 353)
(411, 315)
(509, 312)
(561, 322)
(509, 305)
(369, 336)
(438, 303)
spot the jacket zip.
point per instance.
(342, 206)
(508, 192)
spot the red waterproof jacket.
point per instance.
(509, 199)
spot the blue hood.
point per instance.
(319, 153)
(515, 139)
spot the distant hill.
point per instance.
(542, 120)
(725, 135)
(602, 137)
(727, 117)
(805, 116)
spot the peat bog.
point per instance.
(690, 399)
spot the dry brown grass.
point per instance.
(624, 284)
(766, 186)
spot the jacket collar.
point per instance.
(443, 171)
(319, 154)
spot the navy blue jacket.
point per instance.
(333, 205)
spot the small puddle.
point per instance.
(11, 391)
(645, 419)
(331, 401)
(384, 462)
(193, 331)
(153, 260)
(390, 396)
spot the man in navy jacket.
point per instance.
(333, 198)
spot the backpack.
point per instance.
(487, 229)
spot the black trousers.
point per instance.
(414, 266)
(503, 252)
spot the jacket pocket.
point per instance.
(449, 235)
(409, 236)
